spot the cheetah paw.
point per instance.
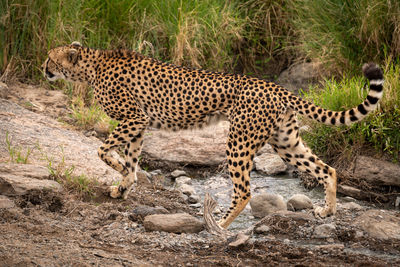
(114, 192)
(323, 212)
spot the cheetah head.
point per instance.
(63, 63)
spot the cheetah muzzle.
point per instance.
(140, 92)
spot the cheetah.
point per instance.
(142, 92)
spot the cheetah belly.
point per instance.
(187, 122)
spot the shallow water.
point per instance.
(220, 189)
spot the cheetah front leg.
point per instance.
(241, 148)
(129, 134)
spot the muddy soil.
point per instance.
(48, 229)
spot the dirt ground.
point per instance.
(48, 229)
(45, 229)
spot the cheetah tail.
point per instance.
(375, 76)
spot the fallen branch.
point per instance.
(361, 194)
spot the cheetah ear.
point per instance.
(76, 43)
(72, 55)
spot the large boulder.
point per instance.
(379, 224)
(203, 147)
(17, 179)
(299, 76)
(174, 223)
(377, 172)
(51, 142)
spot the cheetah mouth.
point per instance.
(49, 75)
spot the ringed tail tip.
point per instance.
(372, 71)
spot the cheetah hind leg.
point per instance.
(291, 149)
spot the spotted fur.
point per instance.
(140, 92)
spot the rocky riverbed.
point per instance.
(49, 224)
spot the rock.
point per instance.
(20, 183)
(241, 239)
(155, 172)
(178, 173)
(4, 91)
(193, 199)
(186, 189)
(269, 164)
(379, 224)
(183, 180)
(174, 223)
(299, 76)
(300, 217)
(299, 202)
(32, 130)
(350, 206)
(142, 178)
(377, 172)
(284, 222)
(262, 229)
(264, 204)
(140, 212)
(6, 203)
(195, 206)
(325, 230)
(267, 148)
(204, 147)
(184, 197)
(27, 170)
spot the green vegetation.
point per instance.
(64, 175)
(345, 34)
(258, 37)
(16, 153)
(60, 172)
(381, 128)
(85, 117)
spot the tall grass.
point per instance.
(268, 36)
(195, 33)
(344, 34)
(253, 36)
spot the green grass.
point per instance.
(65, 175)
(380, 129)
(194, 33)
(87, 116)
(258, 37)
(252, 36)
(345, 34)
(16, 153)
